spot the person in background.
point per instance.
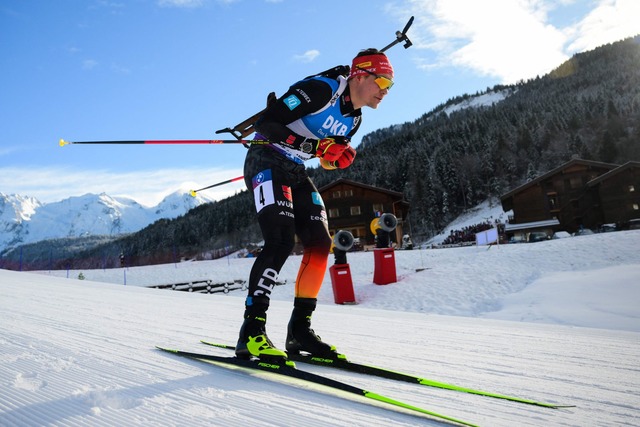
(315, 118)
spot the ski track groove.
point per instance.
(106, 372)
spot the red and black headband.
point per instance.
(377, 63)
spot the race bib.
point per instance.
(263, 190)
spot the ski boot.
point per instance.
(300, 336)
(253, 340)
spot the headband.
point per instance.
(377, 63)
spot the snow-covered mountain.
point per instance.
(24, 219)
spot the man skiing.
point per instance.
(316, 117)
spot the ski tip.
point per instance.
(547, 405)
(63, 142)
(170, 350)
(193, 193)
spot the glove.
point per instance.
(331, 148)
(343, 162)
(327, 165)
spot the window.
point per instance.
(348, 193)
(552, 199)
(334, 213)
(355, 210)
(336, 194)
(378, 207)
(635, 206)
(632, 189)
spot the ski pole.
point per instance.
(243, 129)
(193, 192)
(171, 141)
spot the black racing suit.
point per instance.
(286, 200)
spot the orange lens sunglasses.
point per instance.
(382, 82)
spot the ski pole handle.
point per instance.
(401, 36)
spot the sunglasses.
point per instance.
(382, 82)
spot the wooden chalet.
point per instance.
(351, 206)
(577, 194)
(617, 194)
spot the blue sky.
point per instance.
(181, 69)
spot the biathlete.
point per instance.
(315, 118)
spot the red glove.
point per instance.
(343, 162)
(331, 148)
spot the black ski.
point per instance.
(346, 365)
(288, 369)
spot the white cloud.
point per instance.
(514, 39)
(610, 21)
(146, 187)
(308, 56)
